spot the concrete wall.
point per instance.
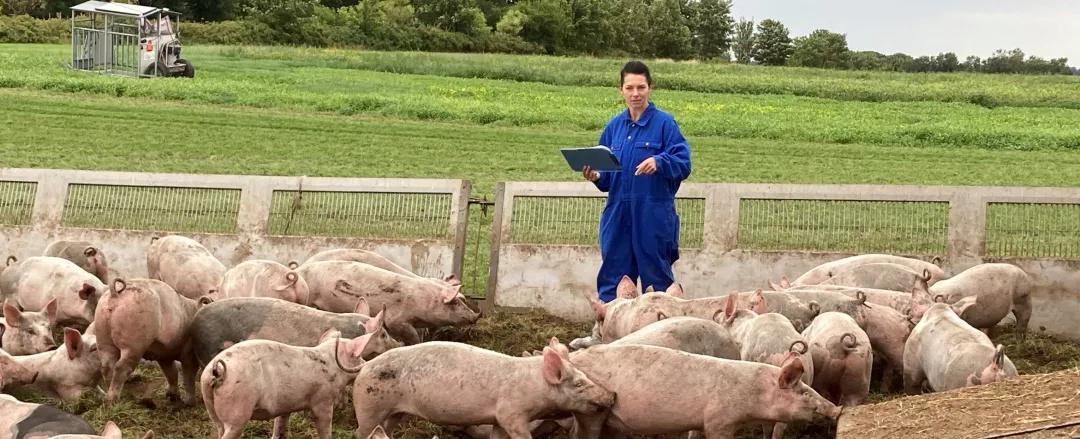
(559, 277)
(126, 247)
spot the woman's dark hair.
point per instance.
(635, 68)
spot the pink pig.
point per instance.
(263, 278)
(842, 357)
(27, 333)
(185, 265)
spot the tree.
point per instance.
(866, 60)
(945, 62)
(547, 23)
(772, 44)
(463, 16)
(714, 29)
(822, 49)
(743, 44)
(511, 22)
(18, 7)
(669, 34)
(593, 26)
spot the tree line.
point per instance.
(676, 29)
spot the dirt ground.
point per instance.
(144, 407)
(1024, 403)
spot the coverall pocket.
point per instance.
(644, 150)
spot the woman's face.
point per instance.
(635, 91)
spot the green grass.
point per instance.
(263, 111)
(280, 84)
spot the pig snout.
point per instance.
(824, 411)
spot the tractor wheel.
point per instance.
(189, 70)
(156, 70)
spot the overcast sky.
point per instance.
(1046, 28)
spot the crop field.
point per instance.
(491, 118)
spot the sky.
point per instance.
(1046, 28)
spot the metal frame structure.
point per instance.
(119, 39)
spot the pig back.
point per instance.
(687, 334)
(881, 275)
(228, 321)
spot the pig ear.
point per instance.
(362, 307)
(86, 291)
(329, 335)
(675, 290)
(650, 289)
(112, 431)
(999, 356)
(450, 293)
(358, 344)
(50, 310)
(597, 308)
(149, 434)
(731, 305)
(963, 305)
(784, 282)
(757, 301)
(553, 367)
(526, 354)
(627, 289)
(72, 340)
(12, 315)
(775, 287)
(378, 433)
(373, 324)
(791, 373)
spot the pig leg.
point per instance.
(587, 426)
(914, 377)
(514, 428)
(778, 430)
(168, 368)
(718, 429)
(190, 368)
(281, 426)
(1022, 311)
(322, 415)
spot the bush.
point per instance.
(26, 29)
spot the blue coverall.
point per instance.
(639, 229)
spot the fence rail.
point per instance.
(417, 223)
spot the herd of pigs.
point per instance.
(272, 339)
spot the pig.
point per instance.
(84, 254)
(887, 330)
(30, 284)
(946, 353)
(799, 311)
(999, 289)
(28, 333)
(882, 276)
(714, 395)
(235, 391)
(111, 432)
(412, 303)
(64, 373)
(631, 311)
(263, 278)
(24, 420)
(227, 322)
(372, 258)
(898, 300)
(16, 374)
(687, 334)
(842, 356)
(185, 265)
(766, 337)
(824, 271)
(425, 380)
(146, 319)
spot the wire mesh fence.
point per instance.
(1033, 230)
(153, 208)
(576, 220)
(360, 214)
(16, 202)
(899, 227)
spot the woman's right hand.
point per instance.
(590, 174)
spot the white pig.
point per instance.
(24, 420)
(822, 272)
(882, 276)
(111, 432)
(263, 278)
(31, 283)
(264, 379)
(842, 357)
(65, 373)
(184, 264)
(145, 318)
(999, 289)
(946, 353)
(27, 333)
(438, 381)
(372, 258)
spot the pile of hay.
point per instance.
(1029, 406)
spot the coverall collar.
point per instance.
(645, 116)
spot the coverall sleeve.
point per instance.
(604, 182)
(674, 161)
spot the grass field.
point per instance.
(490, 118)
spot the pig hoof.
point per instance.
(148, 404)
(172, 397)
